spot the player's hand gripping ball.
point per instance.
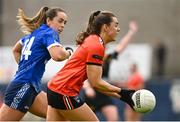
(144, 101)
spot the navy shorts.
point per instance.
(63, 102)
(20, 96)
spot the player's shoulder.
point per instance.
(94, 40)
(46, 30)
(93, 37)
(50, 33)
(22, 39)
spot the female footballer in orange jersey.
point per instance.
(101, 102)
(64, 102)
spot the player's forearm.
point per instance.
(103, 86)
(112, 94)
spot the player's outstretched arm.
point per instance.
(133, 28)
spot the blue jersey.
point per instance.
(34, 55)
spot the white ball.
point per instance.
(144, 101)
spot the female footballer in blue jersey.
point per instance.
(40, 43)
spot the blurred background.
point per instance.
(155, 47)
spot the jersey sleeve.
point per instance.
(51, 40)
(95, 55)
(22, 40)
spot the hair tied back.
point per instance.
(46, 8)
(97, 13)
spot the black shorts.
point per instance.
(99, 101)
(63, 102)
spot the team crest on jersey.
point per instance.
(77, 99)
(97, 57)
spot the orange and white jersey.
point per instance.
(69, 80)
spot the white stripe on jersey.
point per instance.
(54, 44)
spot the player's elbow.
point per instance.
(59, 57)
(16, 50)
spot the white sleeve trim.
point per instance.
(20, 41)
(54, 44)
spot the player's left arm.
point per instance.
(94, 76)
(94, 62)
(17, 51)
(94, 73)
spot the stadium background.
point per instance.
(157, 20)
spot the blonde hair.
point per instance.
(28, 25)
